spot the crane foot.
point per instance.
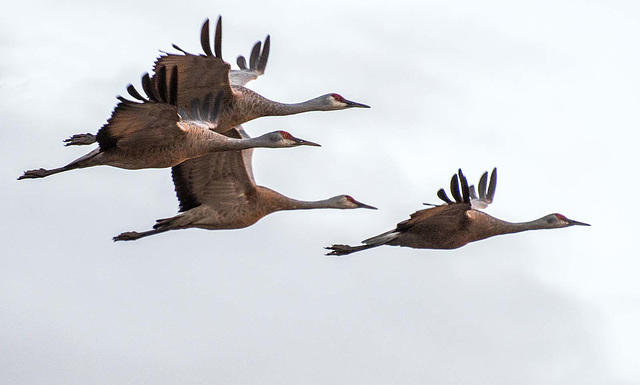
(80, 140)
(33, 174)
(128, 236)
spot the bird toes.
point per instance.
(127, 236)
(80, 140)
(339, 250)
(31, 174)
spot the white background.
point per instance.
(547, 91)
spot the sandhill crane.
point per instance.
(455, 223)
(218, 191)
(256, 67)
(209, 74)
(155, 133)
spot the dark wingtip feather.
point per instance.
(262, 64)
(217, 45)
(255, 55)
(455, 188)
(493, 182)
(173, 87)
(464, 187)
(204, 38)
(179, 49)
(162, 84)
(482, 185)
(146, 85)
(443, 195)
(242, 63)
(134, 93)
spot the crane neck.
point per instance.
(233, 144)
(294, 204)
(278, 202)
(497, 226)
(280, 109)
(260, 106)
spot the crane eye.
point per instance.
(286, 135)
(350, 199)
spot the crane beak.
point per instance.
(576, 223)
(351, 104)
(302, 142)
(361, 205)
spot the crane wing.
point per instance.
(486, 193)
(460, 190)
(247, 155)
(153, 121)
(133, 125)
(218, 179)
(200, 75)
(433, 226)
(256, 67)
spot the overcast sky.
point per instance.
(547, 91)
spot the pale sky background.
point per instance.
(547, 91)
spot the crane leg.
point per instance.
(340, 250)
(80, 140)
(133, 235)
(88, 160)
(41, 172)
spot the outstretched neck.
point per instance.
(280, 109)
(498, 226)
(233, 144)
(279, 202)
(294, 204)
(261, 106)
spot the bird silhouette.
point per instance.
(455, 223)
(218, 191)
(156, 133)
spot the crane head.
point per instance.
(337, 102)
(347, 202)
(559, 220)
(278, 139)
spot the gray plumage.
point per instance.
(209, 74)
(218, 191)
(156, 133)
